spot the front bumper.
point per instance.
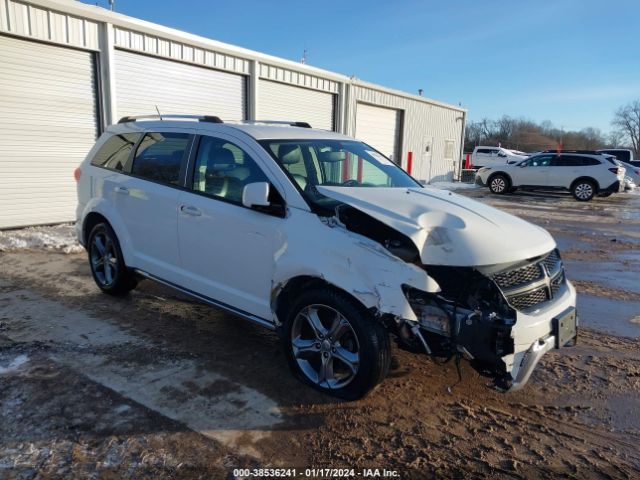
(479, 181)
(535, 335)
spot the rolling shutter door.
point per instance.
(142, 82)
(278, 101)
(48, 123)
(379, 127)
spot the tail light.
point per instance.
(637, 171)
(76, 174)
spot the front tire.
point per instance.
(107, 263)
(335, 345)
(499, 184)
(583, 190)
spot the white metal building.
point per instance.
(67, 69)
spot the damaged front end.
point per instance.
(502, 319)
(501, 316)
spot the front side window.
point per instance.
(222, 169)
(159, 157)
(335, 163)
(116, 151)
(540, 161)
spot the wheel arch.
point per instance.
(90, 221)
(283, 296)
(504, 174)
(585, 177)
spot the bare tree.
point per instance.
(627, 121)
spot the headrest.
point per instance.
(332, 156)
(220, 159)
(289, 154)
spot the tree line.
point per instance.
(529, 136)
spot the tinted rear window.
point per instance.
(115, 152)
(622, 155)
(159, 157)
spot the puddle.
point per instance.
(613, 274)
(616, 317)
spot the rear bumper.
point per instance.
(615, 187)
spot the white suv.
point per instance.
(494, 156)
(584, 173)
(325, 240)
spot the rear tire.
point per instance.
(499, 184)
(107, 263)
(335, 345)
(583, 190)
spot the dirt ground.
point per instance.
(156, 385)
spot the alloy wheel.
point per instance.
(325, 346)
(104, 259)
(584, 191)
(498, 185)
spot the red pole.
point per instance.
(359, 170)
(409, 162)
(346, 166)
(467, 162)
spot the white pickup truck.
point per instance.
(494, 156)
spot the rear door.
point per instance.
(227, 250)
(146, 201)
(565, 169)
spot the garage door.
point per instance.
(142, 82)
(48, 123)
(381, 128)
(278, 101)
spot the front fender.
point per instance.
(349, 261)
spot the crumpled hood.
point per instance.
(447, 228)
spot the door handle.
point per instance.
(122, 190)
(189, 210)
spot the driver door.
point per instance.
(536, 172)
(226, 250)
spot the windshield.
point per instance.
(335, 163)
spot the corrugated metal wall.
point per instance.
(48, 123)
(422, 121)
(279, 101)
(143, 81)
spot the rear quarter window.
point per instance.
(115, 153)
(159, 157)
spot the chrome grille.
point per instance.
(528, 286)
(529, 299)
(519, 276)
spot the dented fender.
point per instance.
(349, 261)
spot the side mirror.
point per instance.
(256, 195)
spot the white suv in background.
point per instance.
(323, 239)
(495, 156)
(584, 173)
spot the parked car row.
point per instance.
(584, 173)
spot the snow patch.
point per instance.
(453, 185)
(14, 365)
(57, 237)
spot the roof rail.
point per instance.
(281, 122)
(586, 152)
(200, 118)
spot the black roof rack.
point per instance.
(200, 118)
(586, 152)
(282, 122)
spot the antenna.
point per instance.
(303, 60)
(111, 4)
(159, 114)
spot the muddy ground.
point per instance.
(155, 385)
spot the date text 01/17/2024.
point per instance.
(315, 473)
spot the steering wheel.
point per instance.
(351, 183)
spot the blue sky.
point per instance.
(572, 62)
